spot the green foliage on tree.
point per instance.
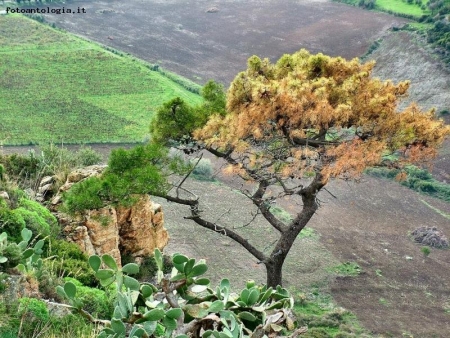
(176, 118)
(141, 170)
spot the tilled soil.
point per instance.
(205, 40)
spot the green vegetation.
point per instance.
(417, 179)
(346, 269)
(55, 86)
(26, 214)
(26, 171)
(141, 170)
(183, 303)
(406, 8)
(324, 319)
(425, 250)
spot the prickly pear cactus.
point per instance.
(183, 304)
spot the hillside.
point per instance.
(57, 87)
(404, 55)
(205, 40)
(367, 224)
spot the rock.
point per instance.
(4, 195)
(56, 199)
(43, 189)
(82, 173)
(19, 286)
(134, 231)
(141, 228)
(30, 193)
(46, 180)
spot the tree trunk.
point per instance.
(274, 269)
(274, 264)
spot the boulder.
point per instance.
(4, 195)
(135, 230)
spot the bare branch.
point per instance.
(258, 200)
(187, 175)
(250, 222)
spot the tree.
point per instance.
(298, 124)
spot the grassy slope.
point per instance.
(400, 6)
(395, 6)
(57, 87)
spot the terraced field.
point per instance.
(57, 87)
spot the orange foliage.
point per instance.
(323, 114)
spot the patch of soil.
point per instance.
(399, 291)
(185, 38)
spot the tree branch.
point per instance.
(312, 143)
(257, 199)
(195, 216)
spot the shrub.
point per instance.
(35, 308)
(203, 171)
(33, 314)
(86, 156)
(28, 214)
(425, 250)
(148, 268)
(417, 179)
(14, 255)
(45, 220)
(95, 301)
(11, 222)
(70, 262)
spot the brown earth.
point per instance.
(400, 292)
(185, 38)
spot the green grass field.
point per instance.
(401, 7)
(57, 87)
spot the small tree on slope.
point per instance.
(305, 116)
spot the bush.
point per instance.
(70, 262)
(148, 267)
(28, 214)
(33, 314)
(87, 156)
(14, 255)
(203, 171)
(95, 301)
(426, 251)
(34, 308)
(12, 223)
(417, 179)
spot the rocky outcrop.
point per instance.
(135, 230)
(4, 195)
